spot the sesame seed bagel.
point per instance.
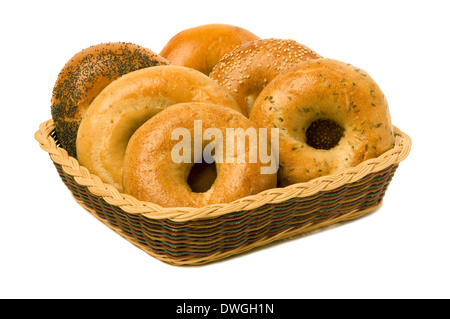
(247, 69)
(151, 173)
(331, 115)
(85, 75)
(203, 46)
(127, 103)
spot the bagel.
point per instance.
(127, 103)
(85, 75)
(151, 173)
(331, 115)
(203, 46)
(247, 69)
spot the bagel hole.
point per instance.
(202, 176)
(324, 134)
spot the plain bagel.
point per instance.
(85, 75)
(331, 115)
(152, 174)
(203, 46)
(131, 100)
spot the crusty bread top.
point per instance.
(202, 47)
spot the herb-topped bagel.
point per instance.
(331, 115)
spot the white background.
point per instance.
(51, 248)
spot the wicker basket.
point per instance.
(194, 236)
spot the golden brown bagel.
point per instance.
(85, 75)
(202, 47)
(151, 174)
(331, 115)
(247, 69)
(127, 103)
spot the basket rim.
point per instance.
(131, 205)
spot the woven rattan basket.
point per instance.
(194, 236)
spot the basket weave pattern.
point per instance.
(192, 236)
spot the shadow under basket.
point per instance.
(195, 236)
